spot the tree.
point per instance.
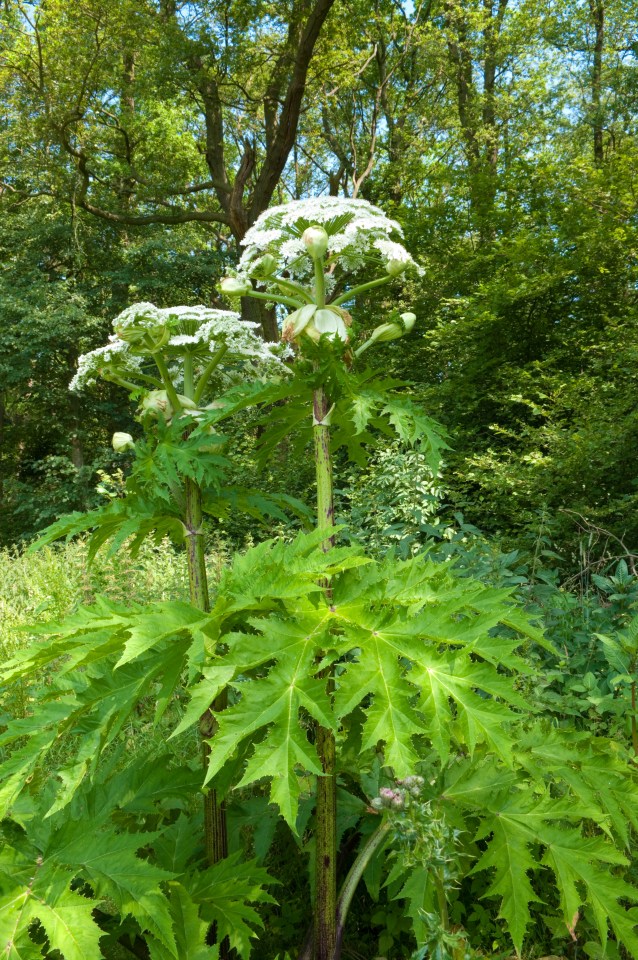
(217, 91)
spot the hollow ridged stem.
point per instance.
(326, 812)
(215, 829)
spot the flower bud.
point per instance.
(264, 267)
(156, 403)
(143, 336)
(186, 403)
(396, 267)
(331, 324)
(393, 330)
(296, 322)
(235, 286)
(316, 241)
(122, 442)
(377, 803)
(386, 331)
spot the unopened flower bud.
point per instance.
(235, 286)
(296, 322)
(264, 267)
(386, 331)
(331, 324)
(397, 802)
(377, 803)
(396, 267)
(393, 330)
(156, 403)
(186, 403)
(143, 336)
(122, 442)
(316, 241)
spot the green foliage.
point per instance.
(57, 880)
(394, 502)
(152, 502)
(423, 657)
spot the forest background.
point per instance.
(139, 141)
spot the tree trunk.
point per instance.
(597, 10)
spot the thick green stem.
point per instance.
(442, 900)
(275, 298)
(349, 294)
(189, 385)
(215, 830)
(326, 813)
(121, 382)
(373, 843)
(293, 287)
(193, 518)
(364, 346)
(320, 284)
(160, 363)
(208, 370)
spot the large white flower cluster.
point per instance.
(360, 235)
(200, 331)
(114, 355)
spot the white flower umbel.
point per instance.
(152, 340)
(114, 357)
(305, 256)
(359, 235)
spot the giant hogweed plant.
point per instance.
(175, 362)
(387, 697)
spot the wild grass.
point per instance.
(50, 583)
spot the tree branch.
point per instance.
(284, 137)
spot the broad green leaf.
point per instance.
(225, 892)
(190, 930)
(111, 865)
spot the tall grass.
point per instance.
(52, 582)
